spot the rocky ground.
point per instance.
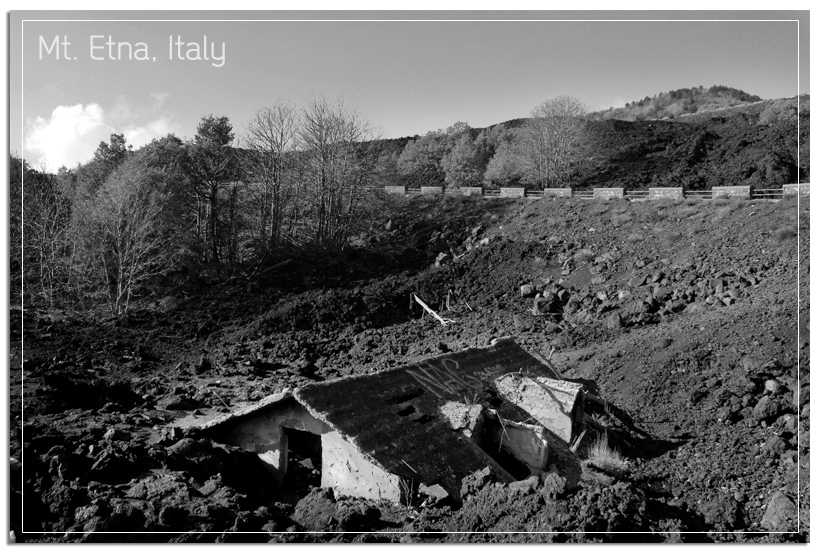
(682, 317)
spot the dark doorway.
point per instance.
(491, 444)
(304, 468)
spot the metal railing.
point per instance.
(767, 193)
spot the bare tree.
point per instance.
(40, 245)
(120, 235)
(554, 140)
(339, 159)
(270, 139)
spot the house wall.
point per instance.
(348, 472)
(263, 433)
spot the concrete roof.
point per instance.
(393, 416)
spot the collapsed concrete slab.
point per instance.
(429, 424)
(555, 404)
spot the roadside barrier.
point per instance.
(655, 193)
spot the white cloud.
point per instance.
(72, 134)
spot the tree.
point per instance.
(465, 163)
(121, 239)
(507, 166)
(554, 140)
(270, 139)
(339, 158)
(420, 161)
(167, 157)
(39, 244)
(107, 157)
(211, 165)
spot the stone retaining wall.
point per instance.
(513, 192)
(558, 192)
(743, 192)
(607, 193)
(793, 189)
(666, 193)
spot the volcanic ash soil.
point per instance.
(682, 317)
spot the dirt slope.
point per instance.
(683, 317)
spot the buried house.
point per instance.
(431, 423)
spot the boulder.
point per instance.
(614, 321)
(781, 514)
(768, 409)
(527, 291)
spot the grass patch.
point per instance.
(651, 215)
(555, 222)
(620, 220)
(721, 213)
(684, 212)
(784, 233)
(606, 458)
(601, 207)
(670, 236)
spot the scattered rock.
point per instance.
(772, 386)
(554, 486)
(781, 514)
(527, 291)
(473, 483)
(526, 486)
(768, 409)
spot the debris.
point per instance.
(442, 320)
(408, 466)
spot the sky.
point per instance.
(405, 77)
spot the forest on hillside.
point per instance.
(674, 103)
(233, 201)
